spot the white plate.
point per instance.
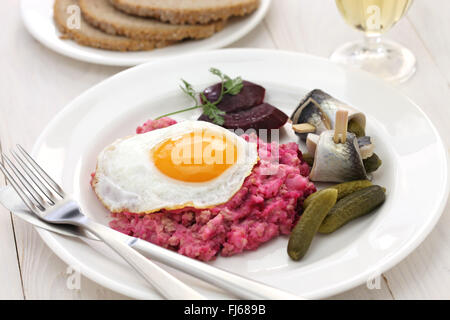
(38, 19)
(414, 167)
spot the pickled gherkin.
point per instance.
(372, 163)
(309, 223)
(353, 206)
(355, 128)
(343, 189)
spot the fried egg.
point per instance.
(189, 164)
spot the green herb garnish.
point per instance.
(210, 109)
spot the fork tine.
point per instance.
(17, 188)
(36, 180)
(41, 172)
(39, 201)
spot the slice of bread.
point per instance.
(101, 14)
(89, 36)
(187, 11)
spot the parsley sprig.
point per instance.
(210, 109)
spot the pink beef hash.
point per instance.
(265, 207)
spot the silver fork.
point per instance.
(45, 198)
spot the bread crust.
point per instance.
(101, 14)
(186, 14)
(89, 36)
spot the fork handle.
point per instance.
(241, 287)
(166, 284)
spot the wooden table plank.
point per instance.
(431, 23)
(10, 276)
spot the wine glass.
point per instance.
(386, 59)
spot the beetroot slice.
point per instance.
(251, 95)
(263, 116)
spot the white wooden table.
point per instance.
(35, 83)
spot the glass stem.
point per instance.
(372, 42)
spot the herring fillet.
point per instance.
(319, 109)
(337, 162)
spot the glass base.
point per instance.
(385, 59)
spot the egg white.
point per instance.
(126, 179)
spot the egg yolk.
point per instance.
(198, 156)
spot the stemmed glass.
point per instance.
(386, 59)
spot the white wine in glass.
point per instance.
(386, 59)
